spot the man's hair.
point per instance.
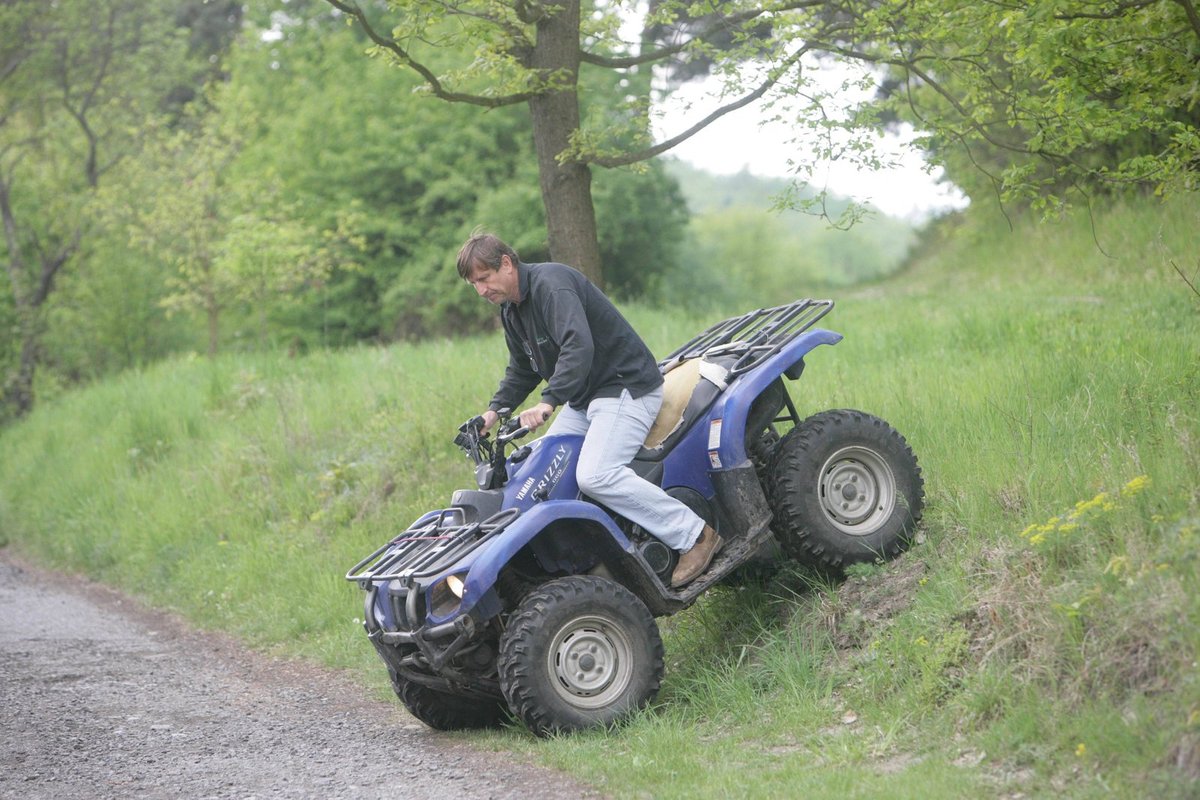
(484, 249)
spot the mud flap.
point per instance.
(744, 509)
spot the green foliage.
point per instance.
(425, 174)
(982, 662)
(228, 242)
(1037, 101)
(288, 205)
(739, 251)
(107, 316)
(642, 224)
(77, 81)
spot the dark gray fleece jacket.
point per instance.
(566, 332)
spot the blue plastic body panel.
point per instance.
(549, 469)
(490, 560)
(733, 406)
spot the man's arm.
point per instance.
(518, 381)
(565, 317)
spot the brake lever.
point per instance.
(511, 430)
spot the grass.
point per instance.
(1042, 639)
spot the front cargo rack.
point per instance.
(432, 544)
(752, 338)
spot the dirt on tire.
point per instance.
(103, 697)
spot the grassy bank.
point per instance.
(1042, 639)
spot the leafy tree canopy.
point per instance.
(1055, 85)
(76, 81)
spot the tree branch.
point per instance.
(16, 262)
(51, 266)
(1116, 12)
(664, 146)
(625, 62)
(1189, 8)
(910, 66)
(1191, 285)
(435, 85)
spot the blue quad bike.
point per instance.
(524, 596)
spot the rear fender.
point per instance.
(727, 419)
(718, 440)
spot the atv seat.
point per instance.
(689, 388)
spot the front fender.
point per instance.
(485, 569)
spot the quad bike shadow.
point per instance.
(522, 596)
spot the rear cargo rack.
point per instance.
(428, 547)
(752, 338)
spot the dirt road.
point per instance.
(101, 698)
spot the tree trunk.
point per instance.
(18, 394)
(566, 188)
(214, 328)
(16, 391)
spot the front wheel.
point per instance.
(447, 712)
(579, 652)
(845, 488)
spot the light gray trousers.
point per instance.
(614, 429)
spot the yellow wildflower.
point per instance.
(1084, 506)
(1135, 486)
(1080, 750)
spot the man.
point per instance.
(562, 329)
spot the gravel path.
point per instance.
(102, 698)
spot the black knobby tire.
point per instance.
(579, 652)
(844, 488)
(448, 712)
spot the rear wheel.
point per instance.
(444, 711)
(579, 652)
(845, 488)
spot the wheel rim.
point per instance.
(591, 661)
(858, 490)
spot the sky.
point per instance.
(743, 140)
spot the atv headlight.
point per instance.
(446, 595)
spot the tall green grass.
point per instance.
(1041, 639)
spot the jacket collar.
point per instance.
(522, 285)
(522, 280)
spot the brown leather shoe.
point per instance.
(696, 560)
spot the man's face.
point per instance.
(497, 285)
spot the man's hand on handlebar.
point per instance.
(532, 418)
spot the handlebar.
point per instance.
(474, 441)
(489, 458)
